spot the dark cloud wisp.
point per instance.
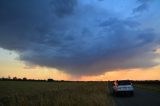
(143, 5)
(72, 37)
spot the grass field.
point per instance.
(21, 93)
(150, 87)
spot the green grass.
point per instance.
(20, 93)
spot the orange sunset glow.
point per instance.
(11, 66)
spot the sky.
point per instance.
(80, 39)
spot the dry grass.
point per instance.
(14, 93)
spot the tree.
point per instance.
(24, 79)
(50, 80)
(14, 78)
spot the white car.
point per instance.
(123, 87)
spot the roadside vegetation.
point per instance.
(30, 93)
(148, 85)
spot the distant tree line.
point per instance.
(52, 80)
(25, 79)
(36, 80)
(157, 82)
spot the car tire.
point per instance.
(114, 93)
(132, 93)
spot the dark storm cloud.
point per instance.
(143, 6)
(79, 39)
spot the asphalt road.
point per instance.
(141, 98)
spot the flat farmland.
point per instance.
(27, 93)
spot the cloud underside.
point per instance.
(76, 38)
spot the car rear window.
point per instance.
(124, 83)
